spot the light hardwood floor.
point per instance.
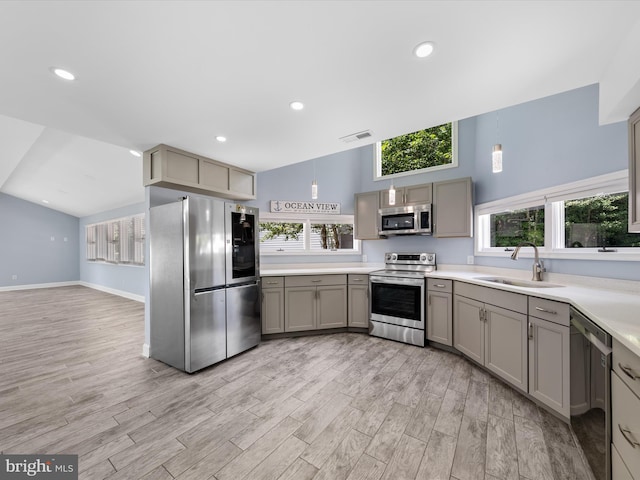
(342, 406)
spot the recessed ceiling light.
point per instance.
(62, 73)
(296, 105)
(221, 139)
(45, 201)
(135, 153)
(423, 49)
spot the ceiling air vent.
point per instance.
(354, 137)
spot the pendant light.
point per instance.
(314, 184)
(392, 195)
(496, 156)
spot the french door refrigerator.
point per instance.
(204, 272)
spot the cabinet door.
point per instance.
(300, 309)
(331, 306)
(468, 328)
(359, 306)
(272, 310)
(418, 194)
(506, 345)
(439, 318)
(549, 379)
(366, 216)
(452, 204)
(634, 172)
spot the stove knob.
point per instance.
(430, 258)
(423, 257)
(387, 257)
(394, 256)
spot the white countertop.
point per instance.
(612, 304)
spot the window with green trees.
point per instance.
(508, 229)
(308, 236)
(431, 148)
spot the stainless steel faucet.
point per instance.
(538, 266)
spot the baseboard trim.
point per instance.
(145, 350)
(33, 286)
(113, 291)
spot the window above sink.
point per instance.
(581, 220)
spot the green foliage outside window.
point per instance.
(511, 228)
(599, 221)
(333, 236)
(414, 151)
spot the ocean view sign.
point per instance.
(289, 206)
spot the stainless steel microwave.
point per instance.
(409, 220)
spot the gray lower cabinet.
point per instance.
(625, 403)
(493, 336)
(549, 353)
(452, 208)
(358, 301)
(439, 311)
(272, 305)
(315, 302)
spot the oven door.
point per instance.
(398, 300)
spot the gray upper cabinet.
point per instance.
(634, 172)
(452, 208)
(411, 195)
(366, 215)
(171, 167)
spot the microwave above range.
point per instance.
(408, 220)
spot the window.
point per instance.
(586, 219)
(118, 241)
(307, 235)
(430, 149)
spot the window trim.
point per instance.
(377, 158)
(308, 220)
(552, 198)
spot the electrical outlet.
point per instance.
(53, 239)
(470, 260)
(66, 239)
(14, 277)
(364, 259)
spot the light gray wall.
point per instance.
(125, 278)
(26, 246)
(547, 142)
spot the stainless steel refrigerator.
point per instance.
(204, 282)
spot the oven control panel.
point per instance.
(419, 258)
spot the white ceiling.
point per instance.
(181, 72)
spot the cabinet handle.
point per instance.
(483, 315)
(429, 299)
(626, 433)
(262, 297)
(540, 309)
(316, 281)
(356, 280)
(530, 333)
(440, 285)
(628, 371)
(271, 283)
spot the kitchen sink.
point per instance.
(519, 283)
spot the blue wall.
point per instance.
(26, 248)
(547, 142)
(125, 278)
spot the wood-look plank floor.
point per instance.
(342, 406)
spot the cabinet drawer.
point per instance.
(314, 280)
(618, 468)
(551, 310)
(437, 285)
(493, 296)
(627, 365)
(355, 279)
(272, 282)
(625, 426)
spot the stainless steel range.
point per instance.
(398, 297)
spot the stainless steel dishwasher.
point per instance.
(591, 392)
